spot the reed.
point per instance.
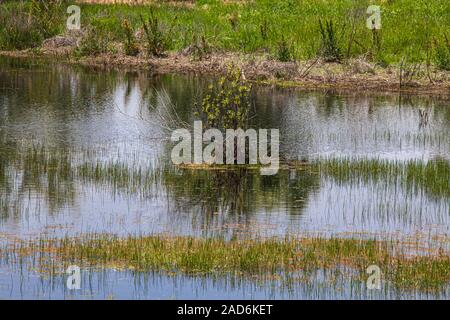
(414, 175)
(257, 257)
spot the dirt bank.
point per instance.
(354, 75)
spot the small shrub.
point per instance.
(381, 60)
(227, 105)
(130, 46)
(284, 51)
(96, 41)
(158, 39)
(330, 50)
(200, 48)
(408, 71)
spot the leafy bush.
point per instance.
(227, 104)
(284, 53)
(157, 37)
(330, 50)
(130, 47)
(94, 42)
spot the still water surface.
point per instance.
(56, 119)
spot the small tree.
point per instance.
(227, 104)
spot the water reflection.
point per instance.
(21, 283)
(84, 150)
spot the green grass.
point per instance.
(409, 27)
(27, 24)
(433, 176)
(245, 257)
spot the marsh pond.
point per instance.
(86, 152)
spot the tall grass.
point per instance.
(54, 174)
(157, 35)
(26, 24)
(255, 257)
(130, 45)
(96, 41)
(433, 176)
(17, 30)
(442, 53)
(330, 49)
(261, 26)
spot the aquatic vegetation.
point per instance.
(54, 173)
(123, 179)
(232, 190)
(50, 170)
(245, 257)
(414, 175)
(65, 170)
(227, 104)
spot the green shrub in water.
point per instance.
(227, 104)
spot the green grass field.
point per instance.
(416, 30)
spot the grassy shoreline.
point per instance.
(274, 43)
(255, 258)
(328, 76)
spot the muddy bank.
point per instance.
(353, 75)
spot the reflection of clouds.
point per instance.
(315, 127)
